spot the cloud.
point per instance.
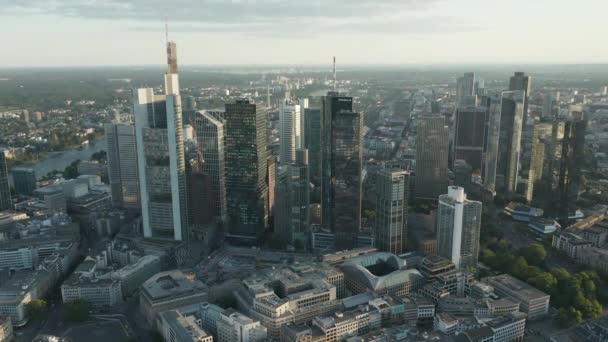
(277, 18)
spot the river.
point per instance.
(59, 160)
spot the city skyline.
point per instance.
(277, 32)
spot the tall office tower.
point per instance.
(293, 200)
(160, 157)
(465, 86)
(540, 136)
(392, 188)
(5, 189)
(312, 134)
(342, 153)
(246, 168)
(469, 136)
(122, 165)
(24, 180)
(271, 181)
(519, 81)
(509, 143)
(458, 228)
(463, 173)
(492, 105)
(572, 157)
(210, 137)
(189, 109)
(548, 103)
(290, 125)
(431, 157)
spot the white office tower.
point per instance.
(160, 156)
(122, 165)
(458, 228)
(290, 124)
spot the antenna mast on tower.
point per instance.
(335, 81)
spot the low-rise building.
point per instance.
(533, 301)
(85, 284)
(233, 326)
(169, 290)
(570, 243)
(446, 323)
(176, 327)
(434, 266)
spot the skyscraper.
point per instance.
(342, 153)
(572, 157)
(509, 143)
(24, 180)
(431, 157)
(548, 103)
(458, 228)
(210, 138)
(492, 104)
(246, 168)
(469, 136)
(519, 81)
(160, 157)
(465, 86)
(540, 135)
(122, 165)
(293, 200)
(5, 189)
(312, 133)
(290, 131)
(392, 188)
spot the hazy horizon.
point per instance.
(44, 33)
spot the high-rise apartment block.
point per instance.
(458, 228)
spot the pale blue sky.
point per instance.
(122, 32)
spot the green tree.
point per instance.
(569, 316)
(71, 171)
(78, 310)
(36, 309)
(544, 281)
(535, 253)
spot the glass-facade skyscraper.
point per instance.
(458, 228)
(509, 142)
(312, 134)
(122, 165)
(246, 168)
(342, 155)
(392, 188)
(5, 189)
(24, 180)
(161, 159)
(469, 136)
(431, 157)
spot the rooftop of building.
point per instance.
(170, 284)
(517, 287)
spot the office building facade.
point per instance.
(458, 228)
(122, 165)
(342, 146)
(290, 130)
(246, 168)
(431, 157)
(5, 189)
(24, 180)
(469, 136)
(509, 142)
(161, 159)
(210, 133)
(392, 188)
(312, 142)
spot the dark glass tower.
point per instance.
(431, 157)
(312, 139)
(342, 153)
(5, 190)
(246, 167)
(509, 141)
(572, 157)
(24, 180)
(469, 136)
